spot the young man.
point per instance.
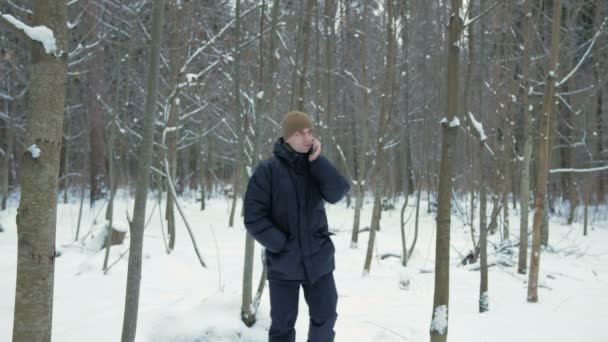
(284, 212)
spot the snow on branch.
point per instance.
(479, 127)
(572, 170)
(212, 40)
(558, 84)
(454, 123)
(40, 34)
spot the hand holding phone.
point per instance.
(315, 150)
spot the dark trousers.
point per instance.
(321, 298)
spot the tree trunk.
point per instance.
(8, 153)
(95, 79)
(239, 115)
(175, 60)
(248, 306)
(384, 119)
(484, 301)
(439, 332)
(66, 162)
(544, 148)
(139, 210)
(305, 52)
(111, 164)
(37, 213)
(330, 13)
(361, 159)
(524, 190)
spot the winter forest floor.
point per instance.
(181, 301)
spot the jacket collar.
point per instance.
(298, 162)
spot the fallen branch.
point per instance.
(179, 208)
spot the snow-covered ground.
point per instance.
(181, 301)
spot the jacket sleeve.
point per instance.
(257, 212)
(332, 184)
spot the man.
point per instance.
(284, 212)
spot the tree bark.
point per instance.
(544, 155)
(9, 151)
(37, 213)
(361, 159)
(524, 190)
(379, 168)
(239, 115)
(143, 176)
(111, 164)
(305, 53)
(449, 131)
(95, 79)
(175, 60)
(248, 305)
(484, 301)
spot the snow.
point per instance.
(181, 301)
(34, 151)
(40, 34)
(191, 78)
(484, 301)
(439, 323)
(454, 123)
(478, 126)
(260, 95)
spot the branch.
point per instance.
(179, 208)
(468, 22)
(212, 40)
(558, 84)
(572, 170)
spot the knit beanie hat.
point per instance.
(295, 121)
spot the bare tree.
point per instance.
(93, 17)
(527, 136)
(239, 115)
(544, 148)
(37, 213)
(439, 325)
(387, 96)
(139, 211)
(364, 130)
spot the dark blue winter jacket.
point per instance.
(284, 212)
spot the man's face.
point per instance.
(301, 141)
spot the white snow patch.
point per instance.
(260, 95)
(40, 34)
(34, 150)
(454, 123)
(484, 301)
(440, 320)
(478, 126)
(191, 78)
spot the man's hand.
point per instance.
(316, 147)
